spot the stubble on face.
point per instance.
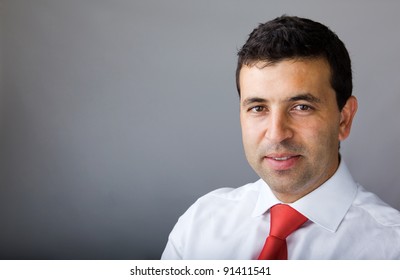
(309, 173)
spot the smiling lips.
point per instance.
(281, 162)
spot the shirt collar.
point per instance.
(325, 206)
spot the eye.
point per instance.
(303, 108)
(257, 109)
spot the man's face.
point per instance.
(291, 124)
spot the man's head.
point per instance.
(294, 81)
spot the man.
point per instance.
(295, 85)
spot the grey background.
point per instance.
(115, 116)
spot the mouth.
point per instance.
(281, 162)
(282, 158)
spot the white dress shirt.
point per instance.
(345, 222)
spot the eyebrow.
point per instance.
(300, 97)
(252, 100)
(305, 97)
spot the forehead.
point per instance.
(285, 78)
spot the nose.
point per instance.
(278, 127)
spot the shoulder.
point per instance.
(380, 212)
(369, 219)
(211, 219)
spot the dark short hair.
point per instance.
(289, 37)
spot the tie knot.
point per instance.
(285, 220)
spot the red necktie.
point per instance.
(284, 221)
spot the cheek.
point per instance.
(327, 142)
(311, 131)
(318, 135)
(252, 133)
(251, 141)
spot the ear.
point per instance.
(346, 117)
